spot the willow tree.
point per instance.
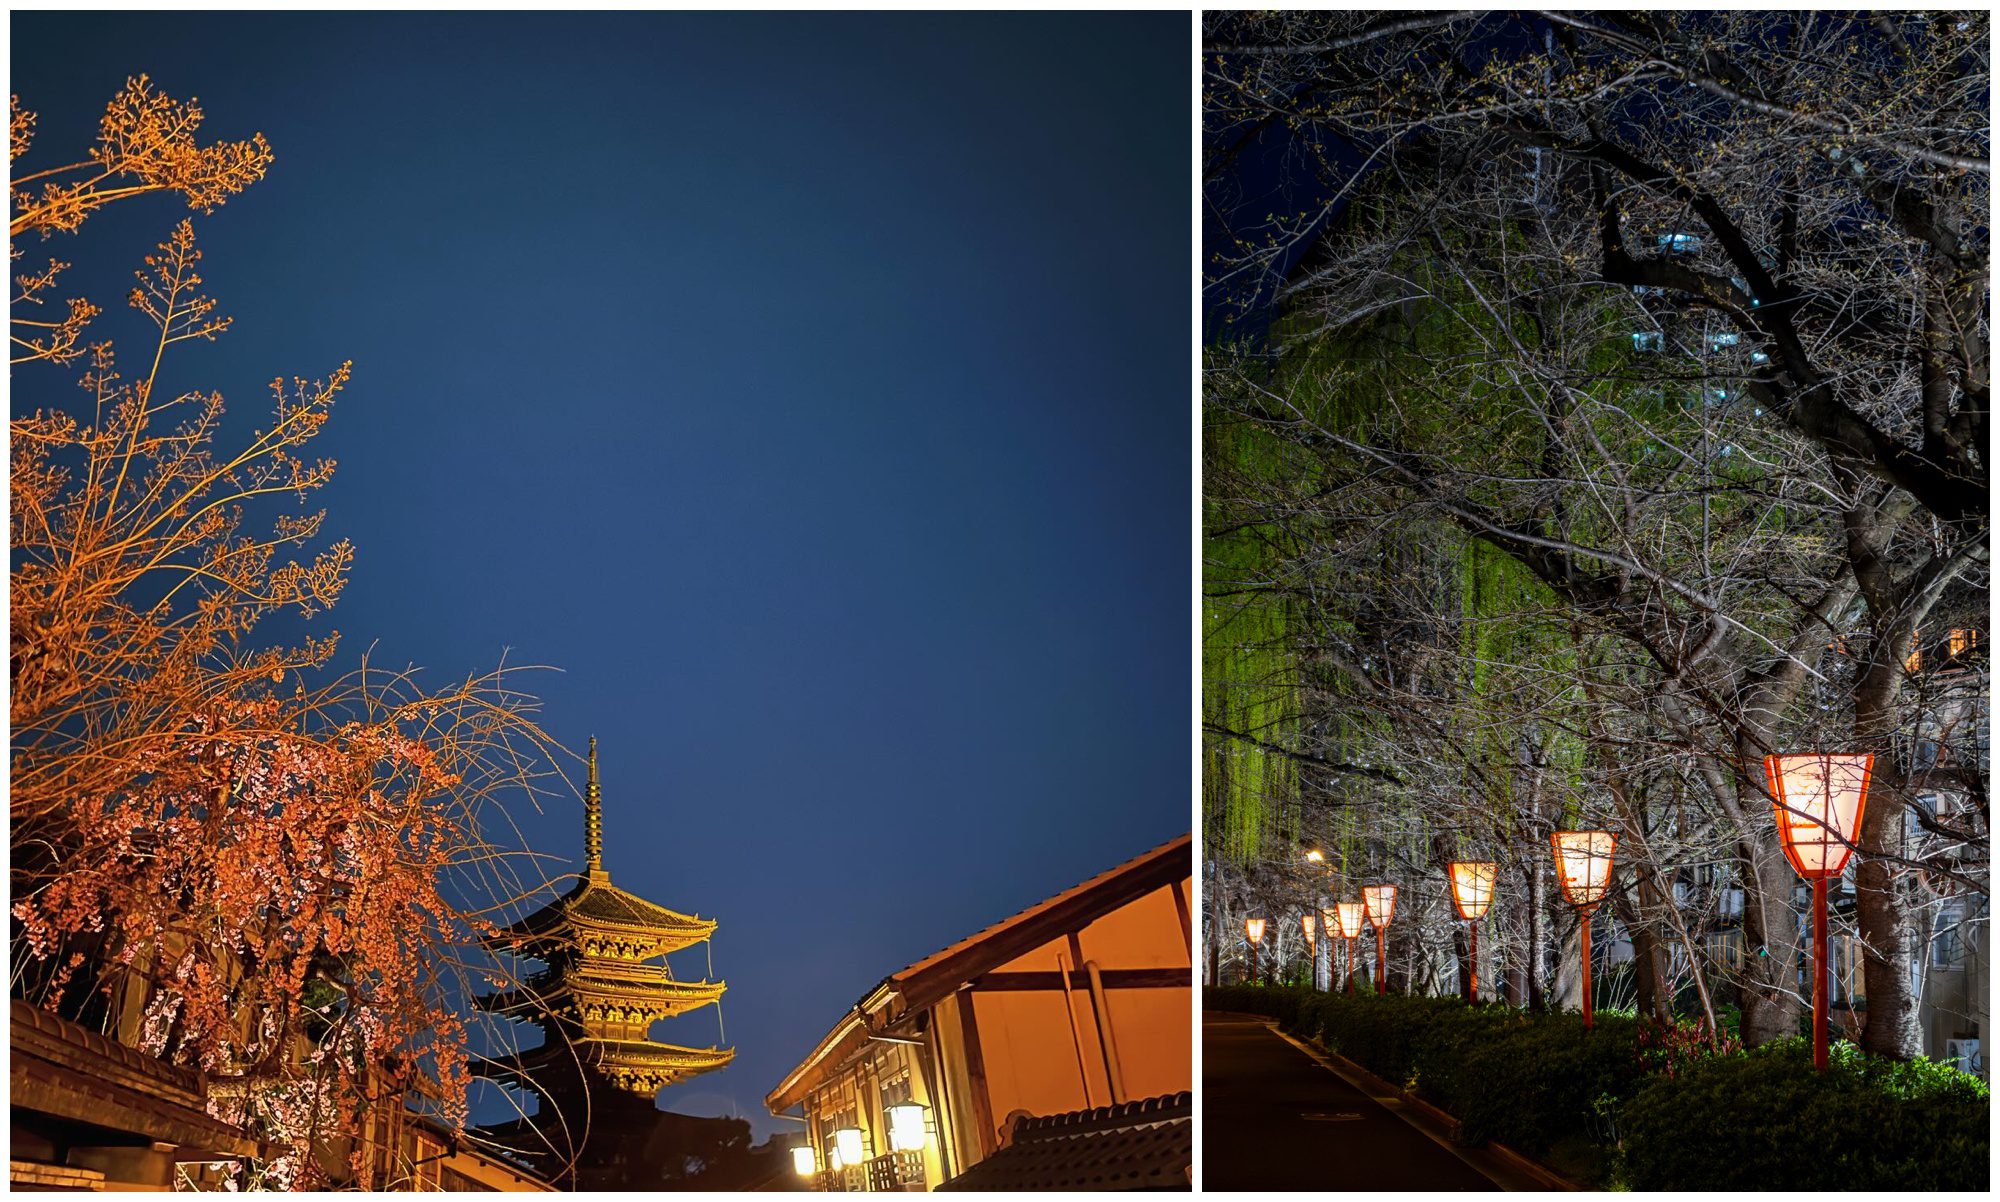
(1798, 193)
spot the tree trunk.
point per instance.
(1538, 952)
(1640, 913)
(1769, 991)
(1882, 887)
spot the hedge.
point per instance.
(1624, 1106)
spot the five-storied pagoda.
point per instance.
(596, 1071)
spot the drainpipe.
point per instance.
(1076, 1039)
(1101, 1008)
(933, 1085)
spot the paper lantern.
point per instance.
(1472, 886)
(1350, 917)
(804, 1163)
(1380, 902)
(1819, 799)
(1583, 864)
(1254, 929)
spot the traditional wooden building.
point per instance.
(597, 1069)
(1068, 1026)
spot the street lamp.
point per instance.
(1380, 902)
(1819, 798)
(1583, 866)
(906, 1126)
(1471, 894)
(1253, 929)
(847, 1140)
(1349, 916)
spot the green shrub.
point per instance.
(1767, 1120)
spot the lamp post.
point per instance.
(1253, 929)
(1317, 858)
(1350, 916)
(1471, 894)
(1819, 799)
(1583, 866)
(1380, 902)
(1312, 945)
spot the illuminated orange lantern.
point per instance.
(1471, 893)
(1253, 928)
(1819, 799)
(1349, 918)
(1583, 866)
(1380, 902)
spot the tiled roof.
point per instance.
(942, 972)
(1175, 853)
(1147, 1144)
(600, 901)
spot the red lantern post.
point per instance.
(1819, 799)
(1471, 894)
(1253, 929)
(1583, 865)
(1351, 916)
(1380, 902)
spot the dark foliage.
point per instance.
(1654, 1108)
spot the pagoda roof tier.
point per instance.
(591, 986)
(605, 921)
(636, 1065)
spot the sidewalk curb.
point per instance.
(1542, 1175)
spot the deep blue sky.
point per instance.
(812, 390)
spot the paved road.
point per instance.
(1273, 1118)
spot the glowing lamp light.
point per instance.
(1819, 801)
(833, 1161)
(1380, 902)
(1583, 864)
(1316, 856)
(1472, 887)
(1348, 917)
(804, 1163)
(1472, 892)
(1253, 928)
(906, 1127)
(1307, 921)
(847, 1142)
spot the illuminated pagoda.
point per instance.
(596, 1071)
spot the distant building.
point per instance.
(1067, 1027)
(597, 1070)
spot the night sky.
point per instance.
(811, 390)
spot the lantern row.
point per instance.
(1819, 798)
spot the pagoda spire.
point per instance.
(593, 817)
